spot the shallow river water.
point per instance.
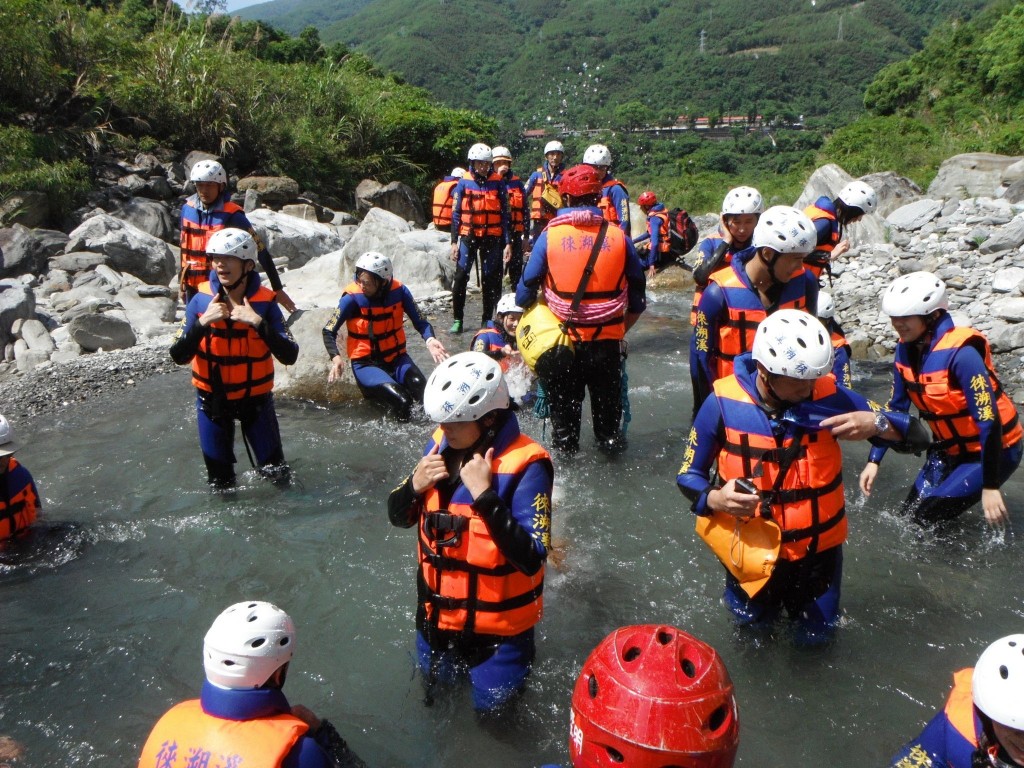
(103, 614)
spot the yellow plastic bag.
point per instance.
(552, 196)
(540, 331)
(747, 547)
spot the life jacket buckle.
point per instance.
(445, 529)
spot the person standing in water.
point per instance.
(19, 499)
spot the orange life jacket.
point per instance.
(232, 359)
(196, 228)
(470, 584)
(959, 707)
(188, 736)
(18, 510)
(567, 255)
(809, 505)
(480, 211)
(815, 265)
(516, 199)
(659, 219)
(378, 331)
(745, 312)
(605, 204)
(539, 210)
(443, 203)
(943, 405)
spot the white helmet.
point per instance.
(506, 304)
(377, 264)
(826, 306)
(742, 200)
(458, 172)
(208, 170)
(501, 152)
(246, 644)
(857, 194)
(597, 154)
(465, 387)
(480, 152)
(791, 342)
(785, 230)
(7, 436)
(918, 293)
(554, 146)
(232, 242)
(998, 683)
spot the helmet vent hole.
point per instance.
(718, 718)
(614, 755)
(474, 400)
(445, 385)
(1004, 672)
(688, 668)
(632, 653)
(228, 663)
(802, 343)
(284, 641)
(257, 642)
(664, 637)
(592, 687)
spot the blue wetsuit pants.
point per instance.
(488, 251)
(216, 418)
(396, 385)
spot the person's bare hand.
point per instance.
(429, 471)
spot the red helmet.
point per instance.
(653, 696)
(580, 181)
(647, 199)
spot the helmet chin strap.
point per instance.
(774, 394)
(237, 282)
(770, 265)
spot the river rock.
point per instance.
(317, 283)
(303, 211)
(396, 197)
(37, 337)
(16, 302)
(101, 331)
(974, 174)
(1006, 337)
(274, 191)
(28, 251)
(1009, 308)
(150, 216)
(307, 378)
(28, 208)
(894, 191)
(914, 215)
(1008, 280)
(127, 248)
(149, 316)
(294, 239)
(1005, 238)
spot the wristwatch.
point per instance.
(881, 423)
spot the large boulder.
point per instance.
(25, 251)
(1005, 238)
(915, 215)
(894, 191)
(31, 209)
(317, 283)
(396, 197)
(149, 316)
(307, 378)
(17, 302)
(974, 174)
(128, 248)
(292, 238)
(37, 337)
(101, 331)
(274, 191)
(826, 181)
(151, 216)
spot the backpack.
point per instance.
(682, 232)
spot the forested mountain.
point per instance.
(535, 62)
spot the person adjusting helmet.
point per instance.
(982, 722)
(242, 716)
(206, 212)
(781, 411)
(614, 202)
(842, 368)
(831, 216)
(689, 720)
(480, 499)
(760, 280)
(519, 212)
(948, 373)
(593, 282)
(232, 332)
(19, 498)
(372, 309)
(481, 232)
(542, 189)
(741, 201)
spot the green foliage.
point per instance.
(1002, 54)
(27, 164)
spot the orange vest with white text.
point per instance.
(187, 736)
(943, 405)
(232, 359)
(809, 505)
(471, 586)
(18, 511)
(378, 331)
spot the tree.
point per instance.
(632, 115)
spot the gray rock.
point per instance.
(894, 191)
(1005, 238)
(16, 302)
(157, 188)
(292, 238)
(37, 337)
(150, 216)
(1015, 192)
(307, 379)
(974, 174)
(252, 201)
(341, 218)
(274, 191)
(56, 280)
(395, 197)
(101, 331)
(828, 180)
(1008, 280)
(303, 211)
(914, 215)
(153, 291)
(30, 209)
(128, 248)
(1009, 308)
(148, 316)
(1006, 337)
(27, 251)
